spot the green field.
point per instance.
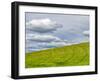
(73, 55)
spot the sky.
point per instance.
(45, 30)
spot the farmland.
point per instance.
(73, 55)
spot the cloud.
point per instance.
(44, 45)
(39, 30)
(42, 25)
(57, 44)
(52, 44)
(42, 38)
(86, 33)
(36, 42)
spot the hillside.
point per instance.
(73, 55)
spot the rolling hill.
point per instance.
(73, 55)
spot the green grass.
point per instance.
(73, 55)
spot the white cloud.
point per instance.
(52, 44)
(86, 33)
(57, 44)
(42, 38)
(36, 42)
(42, 25)
(43, 45)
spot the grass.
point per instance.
(73, 55)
